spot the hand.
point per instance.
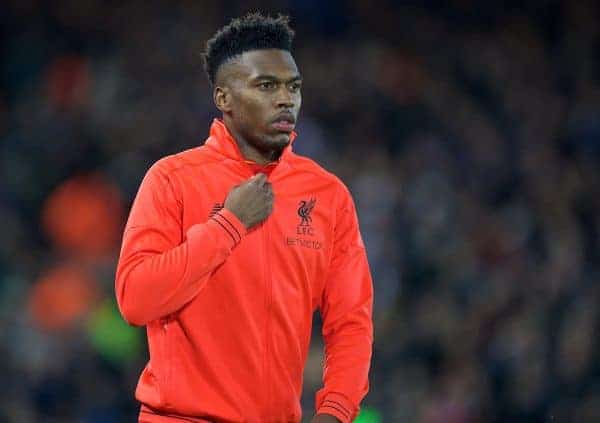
(324, 418)
(252, 201)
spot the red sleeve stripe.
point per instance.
(235, 241)
(337, 406)
(230, 224)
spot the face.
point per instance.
(259, 95)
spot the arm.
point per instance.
(160, 269)
(347, 324)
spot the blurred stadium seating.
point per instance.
(468, 132)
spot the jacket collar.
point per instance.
(221, 140)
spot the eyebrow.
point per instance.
(274, 78)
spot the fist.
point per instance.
(252, 201)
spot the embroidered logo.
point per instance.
(305, 208)
(305, 229)
(216, 209)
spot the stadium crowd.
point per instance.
(468, 133)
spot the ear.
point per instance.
(222, 98)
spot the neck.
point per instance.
(250, 152)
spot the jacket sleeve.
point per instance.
(160, 268)
(346, 311)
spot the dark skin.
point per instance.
(259, 95)
(324, 418)
(252, 91)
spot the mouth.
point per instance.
(285, 122)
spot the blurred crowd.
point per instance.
(468, 133)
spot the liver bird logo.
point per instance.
(304, 210)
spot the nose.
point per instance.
(285, 99)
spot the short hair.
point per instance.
(251, 32)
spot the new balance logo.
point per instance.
(216, 209)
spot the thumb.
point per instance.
(259, 178)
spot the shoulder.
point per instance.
(161, 176)
(312, 169)
(320, 175)
(174, 163)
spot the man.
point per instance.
(231, 247)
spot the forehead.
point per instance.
(272, 62)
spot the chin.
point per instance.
(279, 140)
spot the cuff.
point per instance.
(223, 230)
(230, 224)
(338, 406)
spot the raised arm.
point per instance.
(161, 268)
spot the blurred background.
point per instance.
(468, 133)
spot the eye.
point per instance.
(295, 87)
(266, 85)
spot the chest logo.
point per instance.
(305, 229)
(305, 208)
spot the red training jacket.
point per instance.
(228, 311)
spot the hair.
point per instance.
(251, 32)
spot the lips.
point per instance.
(283, 126)
(284, 122)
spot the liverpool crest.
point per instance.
(305, 208)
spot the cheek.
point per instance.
(250, 110)
(257, 116)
